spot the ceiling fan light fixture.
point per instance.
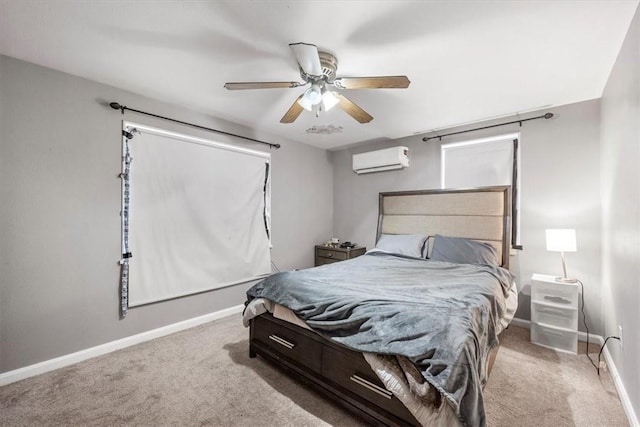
(314, 94)
(311, 97)
(305, 103)
(329, 100)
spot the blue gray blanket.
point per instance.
(441, 316)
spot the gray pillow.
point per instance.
(403, 244)
(463, 251)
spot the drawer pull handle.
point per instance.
(329, 254)
(371, 386)
(282, 341)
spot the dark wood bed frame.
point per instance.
(339, 373)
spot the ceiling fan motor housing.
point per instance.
(329, 64)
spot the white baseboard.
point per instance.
(622, 392)
(615, 376)
(69, 359)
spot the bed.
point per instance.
(396, 337)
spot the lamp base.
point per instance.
(566, 280)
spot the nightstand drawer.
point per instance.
(554, 315)
(554, 293)
(558, 339)
(328, 253)
(323, 261)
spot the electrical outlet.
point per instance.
(620, 334)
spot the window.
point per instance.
(485, 162)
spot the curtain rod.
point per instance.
(544, 116)
(122, 108)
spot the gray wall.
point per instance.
(560, 174)
(620, 135)
(59, 219)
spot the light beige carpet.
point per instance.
(204, 376)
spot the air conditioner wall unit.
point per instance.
(381, 160)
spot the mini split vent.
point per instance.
(381, 160)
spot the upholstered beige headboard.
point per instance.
(482, 214)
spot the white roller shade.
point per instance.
(477, 164)
(197, 215)
(481, 163)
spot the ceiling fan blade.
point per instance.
(307, 57)
(293, 112)
(261, 85)
(382, 82)
(352, 109)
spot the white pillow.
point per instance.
(403, 244)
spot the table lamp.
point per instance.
(562, 240)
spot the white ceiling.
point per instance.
(467, 60)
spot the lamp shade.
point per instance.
(561, 240)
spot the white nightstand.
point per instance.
(554, 313)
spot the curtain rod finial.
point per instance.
(548, 115)
(117, 106)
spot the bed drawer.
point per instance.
(288, 343)
(350, 371)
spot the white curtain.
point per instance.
(198, 215)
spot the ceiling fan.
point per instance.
(318, 70)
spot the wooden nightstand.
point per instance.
(554, 313)
(329, 254)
